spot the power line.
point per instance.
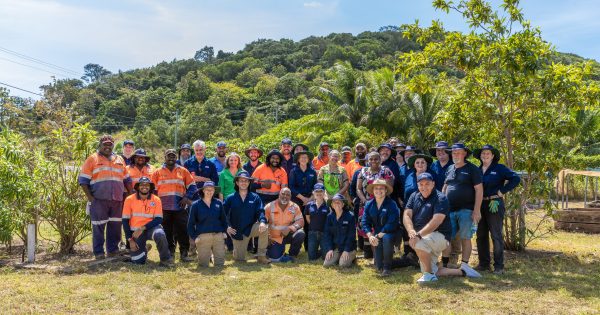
(47, 64)
(18, 88)
(30, 66)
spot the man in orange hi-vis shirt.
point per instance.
(105, 181)
(285, 227)
(323, 158)
(270, 177)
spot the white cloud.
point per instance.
(313, 4)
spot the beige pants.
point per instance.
(210, 244)
(345, 263)
(240, 247)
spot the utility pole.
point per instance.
(176, 126)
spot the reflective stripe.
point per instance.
(154, 232)
(190, 185)
(85, 176)
(278, 227)
(171, 181)
(126, 217)
(114, 219)
(143, 215)
(170, 193)
(99, 222)
(107, 168)
(105, 179)
(138, 257)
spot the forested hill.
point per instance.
(242, 95)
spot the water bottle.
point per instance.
(473, 229)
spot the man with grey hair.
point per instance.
(200, 167)
(285, 221)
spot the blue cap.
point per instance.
(286, 141)
(126, 142)
(424, 176)
(318, 186)
(221, 144)
(461, 146)
(208, 184)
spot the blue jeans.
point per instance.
(462, 220)
(157, 234)
(384, 252)
(315, 245)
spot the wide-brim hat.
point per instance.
(440, 145)
(243, 174)
(144, 180)
(495, 152)
(400, 145)
(387, 146)
(459, 146)
(340, 197)
(274, 152)
(253, 147)
(140, 153)
(412, 159)
(410, 148)
(311, 156)
(304, 147)
(380, 182)
(185, 146)
(170, 151)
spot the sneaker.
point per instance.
(427, 278)
(469, 272)
(499, 271)
(263, 260)
(482, 268)
(99, 256)
(169, 263)
(386, 273)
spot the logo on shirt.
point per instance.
(207, 166)
(251, 201)
(152, 204)
(493, 173)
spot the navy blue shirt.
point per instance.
(385, 219)
(288, 164)
(318, 215)
(249, 168)
(340, 234)
(410, 182)
(302, 182)
(241, 215)
(423, 210)
(440, 173)
(494, 180)
(128, 161)
(204, 219)
(205, 169)
(398, 183)
(460, 186)
(353, 183)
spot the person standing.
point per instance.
(323, 158)
(200, 167)
(246, 219)
(464, 190)
(141, 167)
(288, 157)
(253, 153)
(359, 161)
(184, 153)
(498, 180)
(334, 176)
(232, 167)
(270, 177)
(207, 224)
(441, 152)
(316, 212)
(105, 181)
(176, 188)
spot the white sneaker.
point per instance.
(427, 278)
(469, 272)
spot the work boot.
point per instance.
(185, 258)
(99, 256)
(169, 263)
(386, 273)
(263, 260)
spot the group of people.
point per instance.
(388, 198)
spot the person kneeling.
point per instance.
(285, 227)
(142, 216)
(339, 236)
(207, 225)
(428, 225)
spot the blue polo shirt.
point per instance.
(383, 219)
(205, 219)
(340, 234)
(423, 210)
(242, 214)
(353, 183)
(318, 215)
(460, 186)
(302, 182)
(440, 173)
(498, 177)
(205, 168)
(218, 165)
(288, 164)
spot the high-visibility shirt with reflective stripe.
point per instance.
(172, 186)
(351, 167)
(105, 176)
(279, 176)
(318, 163)
(135, 173)
(141, 212)
(279, 219)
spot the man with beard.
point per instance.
(360, 150)
(285, 227)
(288, 157)
(200, 167)
(176, 189)
(440, 167)
(323, 158)
(185, 152)
(219, 159)
(128, 149)
(253, 153)
(271, 177)
(142, 216)
(104, 180)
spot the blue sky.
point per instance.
(128, 34)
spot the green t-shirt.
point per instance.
(226, 182)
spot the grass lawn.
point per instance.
(559, 274)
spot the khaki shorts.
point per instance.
(434, 244)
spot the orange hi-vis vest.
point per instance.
(279, 220)
(141, 212)
(105, 176)
(279, 178)
(172, 186)
(318, 163)
(135, 173)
